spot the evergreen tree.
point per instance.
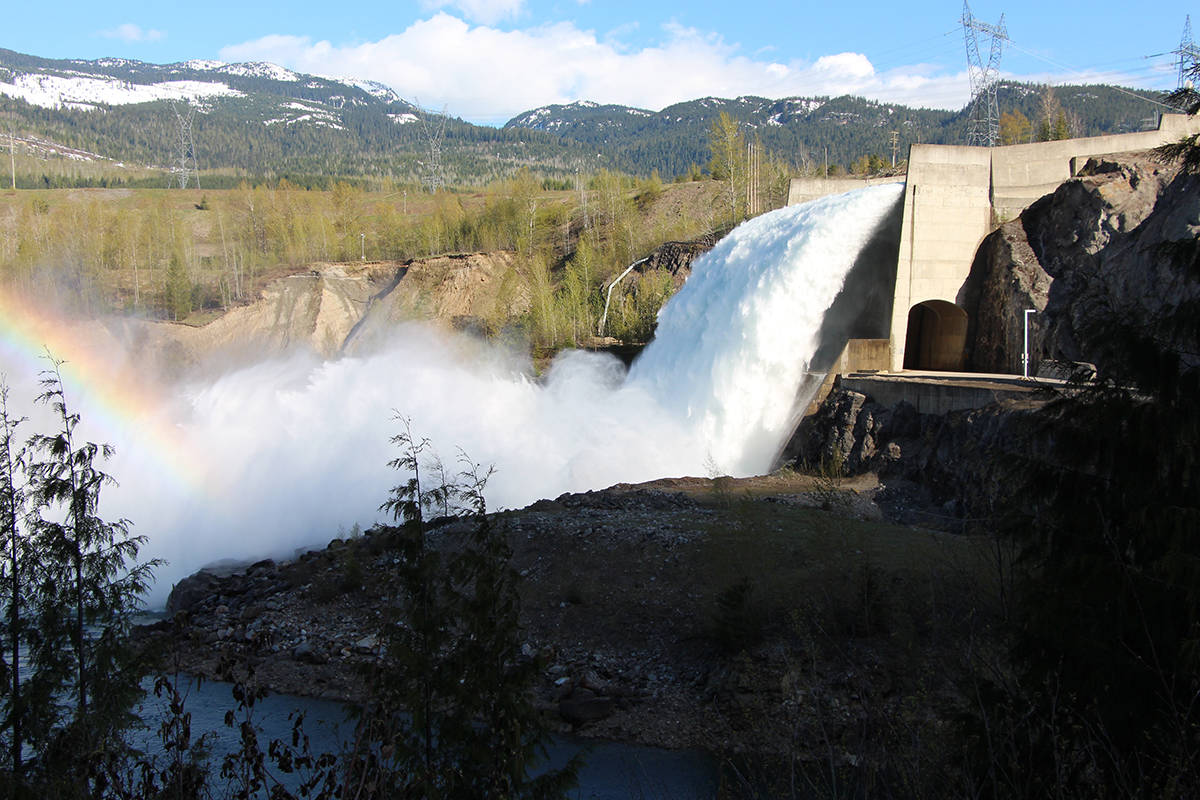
(1187, 150)
(16, 568)
(452, 716)
(84, 677)
(178, 289)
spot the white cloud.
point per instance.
(489, 75)
(133, 33)
(487, 12)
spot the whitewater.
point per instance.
(292, 451)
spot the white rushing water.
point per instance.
(733, 344)
(284, 453)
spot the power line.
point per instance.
(1081, 74)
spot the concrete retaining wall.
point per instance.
(931, 397)
(859, 355)
(801, 190)
(957, 195)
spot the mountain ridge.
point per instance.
(260, 119)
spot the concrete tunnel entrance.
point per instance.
(936, 338)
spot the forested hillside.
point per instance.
(815, 131)
(251, 120)
(260, 121)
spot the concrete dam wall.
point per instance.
(954, 196)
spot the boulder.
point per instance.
(308, 653)
(190, 591)
(582, 706)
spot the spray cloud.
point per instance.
(283, 453)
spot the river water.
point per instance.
(611, 770)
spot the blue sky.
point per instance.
(487, 60)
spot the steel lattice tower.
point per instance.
(184, 169)
(983, 124)
(1189, 55)
(434, 133)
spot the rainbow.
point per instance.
(100, 382)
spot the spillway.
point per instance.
(285, 453)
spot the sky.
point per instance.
(488, 60)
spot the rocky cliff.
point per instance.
(1103, 259)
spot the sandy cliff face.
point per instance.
(1104, 256)
(335, 309)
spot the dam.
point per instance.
(954, 196)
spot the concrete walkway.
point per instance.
(942, 392)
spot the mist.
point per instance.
(267, 458)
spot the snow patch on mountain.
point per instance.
(91, 91)
(202, 65)
(260, 69)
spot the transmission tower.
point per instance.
(1189, 55)
(434, 133)
(983, 124)
(184, 170)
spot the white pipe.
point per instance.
(1025, 355)
(608, 296)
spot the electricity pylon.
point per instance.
(1189, 55)
(983, 124)
(184, 169)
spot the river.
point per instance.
(611, 770)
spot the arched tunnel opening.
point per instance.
(936, 338)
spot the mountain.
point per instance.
(254, 119)
(813, 129)
(261, 120)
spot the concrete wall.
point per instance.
(1022, 173)
(931, 397)
(859, 355)
(801, 190)
(956, 195)
(947, 211)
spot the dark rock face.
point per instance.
(677, 257)
(1100, 259)
(190, 591)
(962, 464)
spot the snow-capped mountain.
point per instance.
(261, 118)
(254, 118)
(110, 82)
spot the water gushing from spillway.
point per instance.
(284, 453)
(733, 344)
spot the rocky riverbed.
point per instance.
(631, 599)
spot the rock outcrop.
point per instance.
(677, 257)
(1104, 257)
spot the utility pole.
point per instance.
(895, 146)
(12, 156)
(362, 241)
